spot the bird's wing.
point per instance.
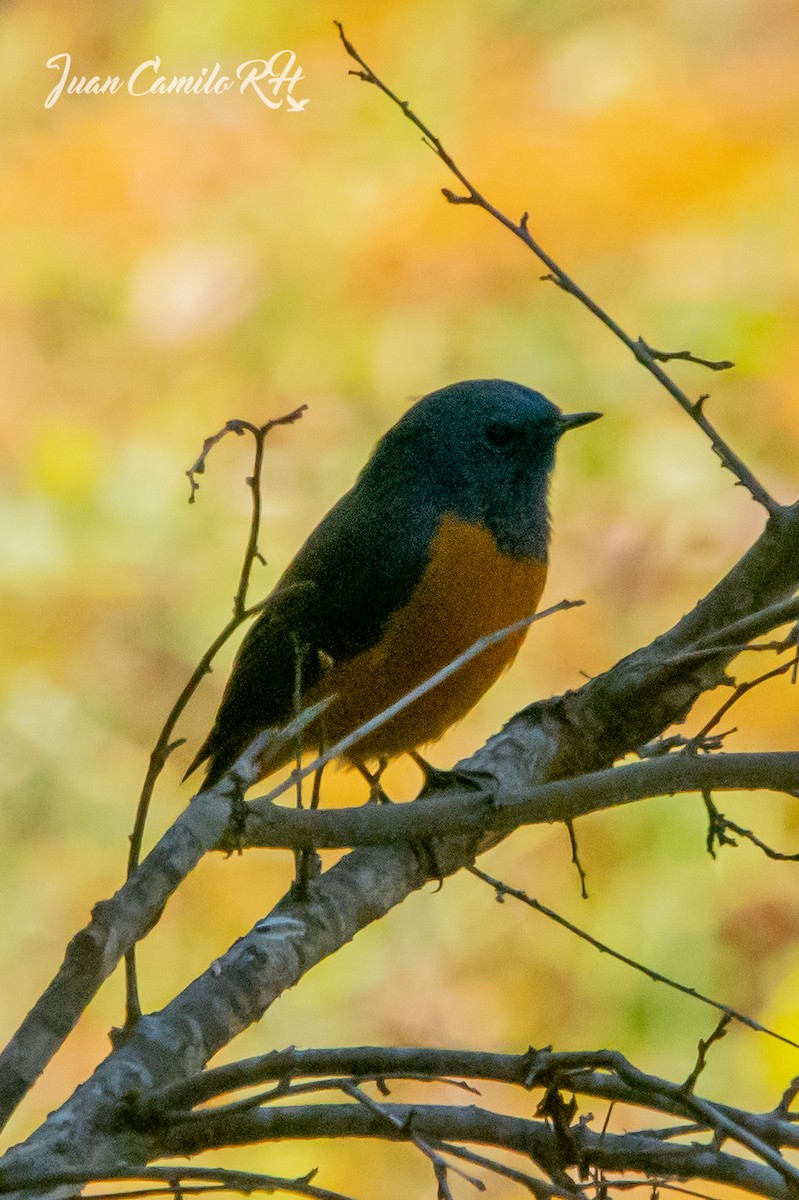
(261, 688)
(359, 565)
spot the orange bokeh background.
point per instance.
(170, 262)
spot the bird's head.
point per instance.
(485, 448)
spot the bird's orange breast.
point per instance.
(469, 589)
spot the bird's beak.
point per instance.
(575, 420)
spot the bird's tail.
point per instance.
(276, 746)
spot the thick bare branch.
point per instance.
(116, 925)
(177, 1181)
(478, 804)
(536, 1140)
(604, 1074)
(584, 730)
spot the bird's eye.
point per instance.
(499, 437)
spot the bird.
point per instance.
(443, 539)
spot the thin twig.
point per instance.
(164, 744)
(540, 1189)
(702, 1050)
(724, 823)
(504, 889)
(722, 364)
(351, 739)
(199, 1189)
(471, 196)
(653, 1183)
(716, 825)
(217, 1178)
(741, 690)
(783, 1109)
(576, 859)
(287, 1088)
(440, 1166)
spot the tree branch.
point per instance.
(116, 924)
(503, 889)
(604, 1074)
(479, 804)
(165, 744)
(585, 730)
(205, 1179)
(649, 359)
(535, 1140)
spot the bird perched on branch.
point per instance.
(443, 539)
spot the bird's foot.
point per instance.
(237, 823)
(376, 793)
(433, 777)
(308, 868)
(436, 779)
(427, 857)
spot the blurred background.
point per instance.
(170, 262)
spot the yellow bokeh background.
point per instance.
(170, 262)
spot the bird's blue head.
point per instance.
(483, 449)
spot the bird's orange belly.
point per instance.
(468, 590)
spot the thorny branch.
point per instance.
(648, 358)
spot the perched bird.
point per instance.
(443, 539)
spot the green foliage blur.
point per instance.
(173, 261)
